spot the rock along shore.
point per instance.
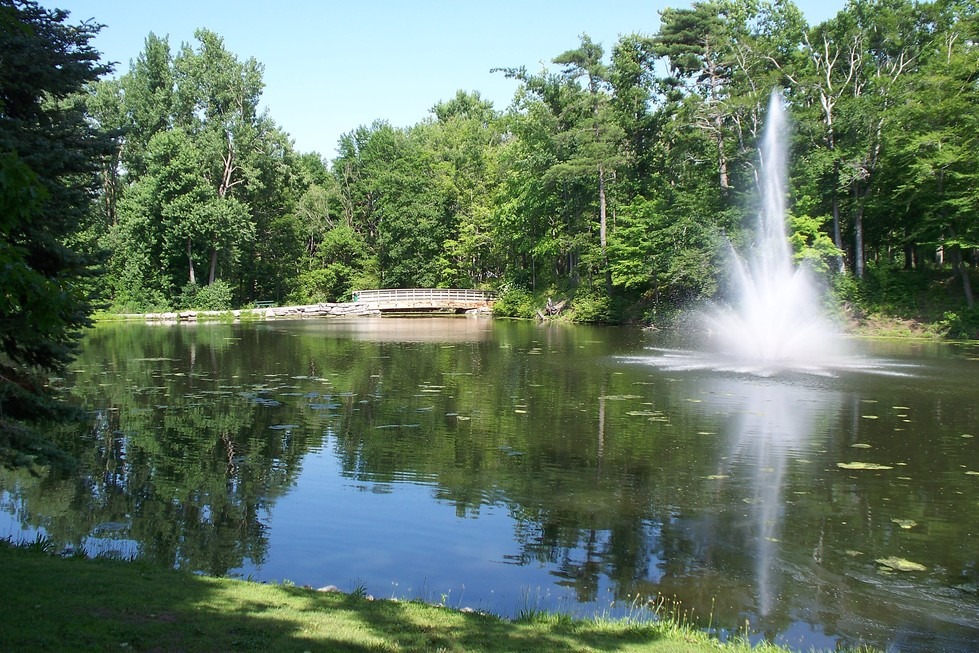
(324, 309)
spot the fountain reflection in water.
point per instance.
(775, 321)
(767, 425)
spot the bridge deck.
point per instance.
(424, 299)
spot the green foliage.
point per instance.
(135, 298)
(666, 251)
(604, 171)
(960, 324)
(344, 259)
(28, 444)
(49, 155)
(204, 176)
(590, 305)
(811, 244)
(924, 300)
(215, 296)
(333, 283)
(516, 302)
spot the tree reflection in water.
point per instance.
(511, 458)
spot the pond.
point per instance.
(513, 466)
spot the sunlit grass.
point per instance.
(245, 314)
(56, 604)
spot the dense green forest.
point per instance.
(616, 176)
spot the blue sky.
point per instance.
(333, 66)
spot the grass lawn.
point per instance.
(73, 604)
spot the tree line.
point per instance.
(615, 176)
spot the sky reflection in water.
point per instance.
(509, 466)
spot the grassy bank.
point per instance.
(171, 316)
(893, 302)
(58, 604)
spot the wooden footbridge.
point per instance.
(408, 300)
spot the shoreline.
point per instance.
(323, 309)
(872, 326)
(105, 604)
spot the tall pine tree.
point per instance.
(49, 157)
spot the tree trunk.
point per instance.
(963, 270)
(722, 159)
(959, 265)
(715, 118)
(837, 231)
(603, 229)
(190, 261)
(908, 256)
(214, 266)
(970, 298)
(858, 255)
(858, 260)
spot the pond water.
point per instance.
(511, 466)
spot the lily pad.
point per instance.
(905, 523)
(900, 564)
(859, 465)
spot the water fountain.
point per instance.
(775, 321)
(772, 321)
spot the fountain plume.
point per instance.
(775, 319)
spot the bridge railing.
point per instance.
(423, 295)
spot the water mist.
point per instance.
(774, 319)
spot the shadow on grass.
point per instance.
(417, 626)
(55, 604)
